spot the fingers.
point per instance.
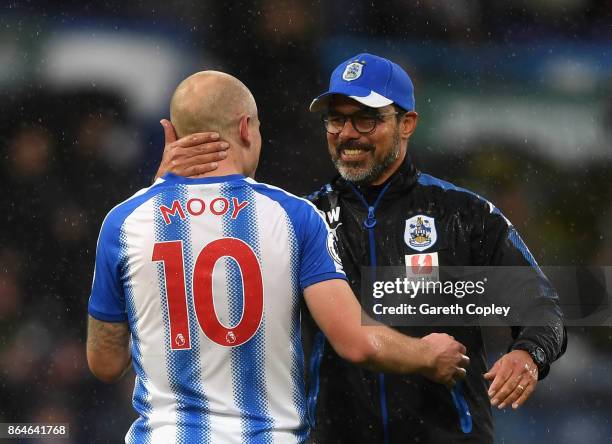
(199, 165)
(462, 349)
(490, 375)
(503, 374)
(169, 133)
(526, 387)
(180, 156)
(197, 139)
(529, 389)
(187, 156)
(205, 148)
(198, 160)
(520, 384)
(462, 362)
(509, 391)
(460, 373)
(519, 389)
(448, 361)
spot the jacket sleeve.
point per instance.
(497, 243)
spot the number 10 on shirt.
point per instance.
(171, 254)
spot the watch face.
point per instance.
(538, 356)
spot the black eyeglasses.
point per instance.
(363, 123)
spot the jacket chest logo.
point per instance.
(420, 232)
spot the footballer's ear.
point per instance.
(408, 124)
(244, 130)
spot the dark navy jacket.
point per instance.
(346, 403)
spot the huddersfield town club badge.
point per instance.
(352, 71)
(420, 232)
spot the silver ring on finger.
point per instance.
(521, 387)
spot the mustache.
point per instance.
(352, 145)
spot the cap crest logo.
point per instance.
(352, 71)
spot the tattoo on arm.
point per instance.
(107, 337)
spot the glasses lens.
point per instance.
(334, 124)
(364, 124)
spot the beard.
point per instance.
(368, 171)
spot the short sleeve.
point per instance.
(319, 258)
(107, 300)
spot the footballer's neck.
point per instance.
(233, 164)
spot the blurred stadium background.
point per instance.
(515, 102)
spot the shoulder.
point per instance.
(325, 198)
(302, 213)
(447, 189)
(321, 193)
(117, 216)
(455, 196)
(449, 198)
(288, 201)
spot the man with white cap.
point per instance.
(376, 206)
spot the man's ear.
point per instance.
(243, 130)
(408, 123)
